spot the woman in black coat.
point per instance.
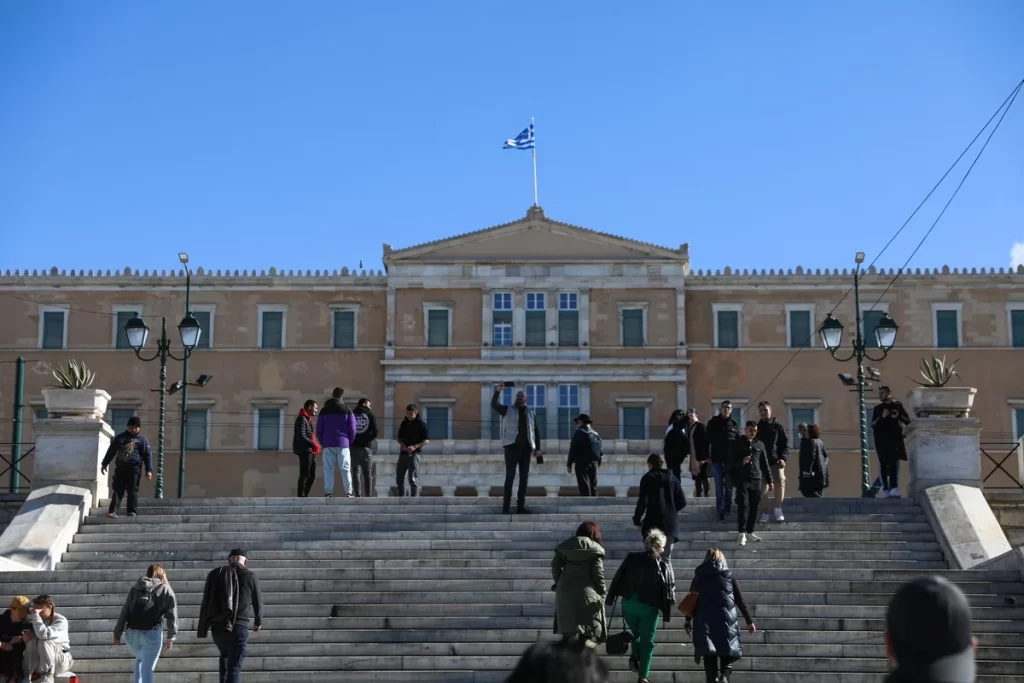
(676, 445)
(12, 648)
(659, 502)
(813, 464)
(715, 624)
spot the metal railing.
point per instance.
(13, 468)
(1013, 452)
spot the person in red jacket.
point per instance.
(306, 446)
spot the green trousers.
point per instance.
(642, 620)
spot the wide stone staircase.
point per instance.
(448, 589)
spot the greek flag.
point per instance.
(522, 141)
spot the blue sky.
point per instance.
(304, 135)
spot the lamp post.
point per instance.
(183, 257)
(831, 332)
(138, 334)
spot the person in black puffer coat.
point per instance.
(715, 625)
(676, 446)
(659, 502)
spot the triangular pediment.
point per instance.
(535, 238)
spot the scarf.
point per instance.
(316, 444)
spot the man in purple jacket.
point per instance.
(336, 430)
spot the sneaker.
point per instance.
(779, 517)
(764, 518)
(893, 493)
(743, 539)
(111, 515)
(885, 493)
(132, 514)
(328, 495)
(755, 538)
(721, 518)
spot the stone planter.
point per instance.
(75, 402)
(942, 401)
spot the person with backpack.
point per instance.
(150, 602)
(585, 452)
(130, 452)
(232, 602)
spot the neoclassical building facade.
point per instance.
(581, 320)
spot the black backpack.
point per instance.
(145, 613)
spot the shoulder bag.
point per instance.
(618, 644)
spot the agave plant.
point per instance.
(936, 372)
(74, 375)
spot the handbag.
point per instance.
(618, 644)
(689, 604)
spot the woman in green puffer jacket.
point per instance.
(578, 571)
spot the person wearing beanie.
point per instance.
(130, 452)
(12, 641)
(928, 636)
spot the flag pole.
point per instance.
(534, 150)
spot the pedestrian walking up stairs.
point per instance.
(448, 589)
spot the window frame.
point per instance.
(738, 310)
(642, 306)
(569, 293)
(446, 403)
(794, 435)
(65, 309)
(118, 428)
(1016, 405)
(495, 324)
(958, 308)
(1011, 307)
(881, 307)
(570, 424)
(799, 308)
(206, 435)
(345, 308)
(623, 405)
(117, 309)
(207, 334)
(574, 296)
(427, 307)
(272, 308)
(256, 408)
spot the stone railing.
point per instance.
(557, 448)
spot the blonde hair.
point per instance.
(155, 571)
(654, 541)
(20, 604)
(714, 555)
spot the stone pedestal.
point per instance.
(69, 451)
(943, 450)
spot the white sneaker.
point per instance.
(885, 493)
(779, 517)
(764, 518)
(755, 538)
(893, 493)
(743, 539)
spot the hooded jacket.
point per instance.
(585, 448)
(366, 427)
(160, 593)
(659, 501)
(55, 632)
(578, 571)
(336, 426)
(753, 474)
(142, 456)
(304, 441)
(716, 624)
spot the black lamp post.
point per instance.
(183, 257)
(831, 332)
(138, 335)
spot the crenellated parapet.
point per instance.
(201, 276)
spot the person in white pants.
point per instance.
(47, 646)
(336, 430)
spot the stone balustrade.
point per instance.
(556, 448)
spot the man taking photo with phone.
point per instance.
(520, 436)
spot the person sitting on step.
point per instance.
(47, 645)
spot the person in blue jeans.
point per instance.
(232, 602)
(150, 602)
(721, 432)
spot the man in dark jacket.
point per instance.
(887, 422)
(305, 445)
(700, 454)
(585, 452)
(772, 434)
(412, 437)
(748, 467)
(130, 452)
(362, 455)
(722, 432)
(232, 602)
(659, 502)
(675, 444)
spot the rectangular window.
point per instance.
(506, 398)
(800, 416)
(634, 423)
(268, 429)
(271, 329)
(869, 321)
(737, 415)
(118, 418)
(536, 399)
(437, 327)
(568, 319)
(727, 326)
(501, 334)
(41, 413)
(568, 409)
(437, 419)
(799, 329)
(53, 332)
(632, 327)
(344, 329)
(121, 342)
(947, 328)
(196, 430)
(1018, 415)
(205, 319)
(536, 319)
(1017, 329)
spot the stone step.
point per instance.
(563, 502)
